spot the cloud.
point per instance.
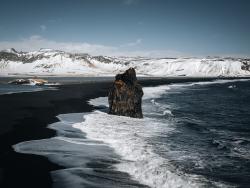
(37, 42)
(135, 43)
(43, 27)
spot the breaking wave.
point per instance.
(99, 149)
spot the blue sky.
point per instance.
(128, 27)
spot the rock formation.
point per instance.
(33, 81)
(125, 96)
(19, 81)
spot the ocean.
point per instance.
(11, 88)
(6, 88)
(194, 134)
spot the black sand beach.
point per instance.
(25, 116)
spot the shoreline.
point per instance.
(25, 116)
(67, 80)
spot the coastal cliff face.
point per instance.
(125, 96)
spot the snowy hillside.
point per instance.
(52, 62)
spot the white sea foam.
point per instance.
(128, 136)
(70, 147)
(100, 101)
(149, 93)
(232, 86)
(154, 92)
(219, 81)
(52, 84)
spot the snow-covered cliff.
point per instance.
(53, 62)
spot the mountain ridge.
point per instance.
(56, 62)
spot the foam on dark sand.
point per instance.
(25, 116)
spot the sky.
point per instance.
(128, 27)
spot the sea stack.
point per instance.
(125, 96)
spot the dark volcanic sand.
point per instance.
(25, 116)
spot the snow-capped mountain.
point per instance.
(52, 62)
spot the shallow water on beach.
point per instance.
(10, 88)
(192, 135)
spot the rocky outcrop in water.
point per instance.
(19, 81)
(36, 81)
(125, 96)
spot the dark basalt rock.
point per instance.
(245, 65)
(125, 96)
(8, 56)
(19, 81)
(34, 81)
